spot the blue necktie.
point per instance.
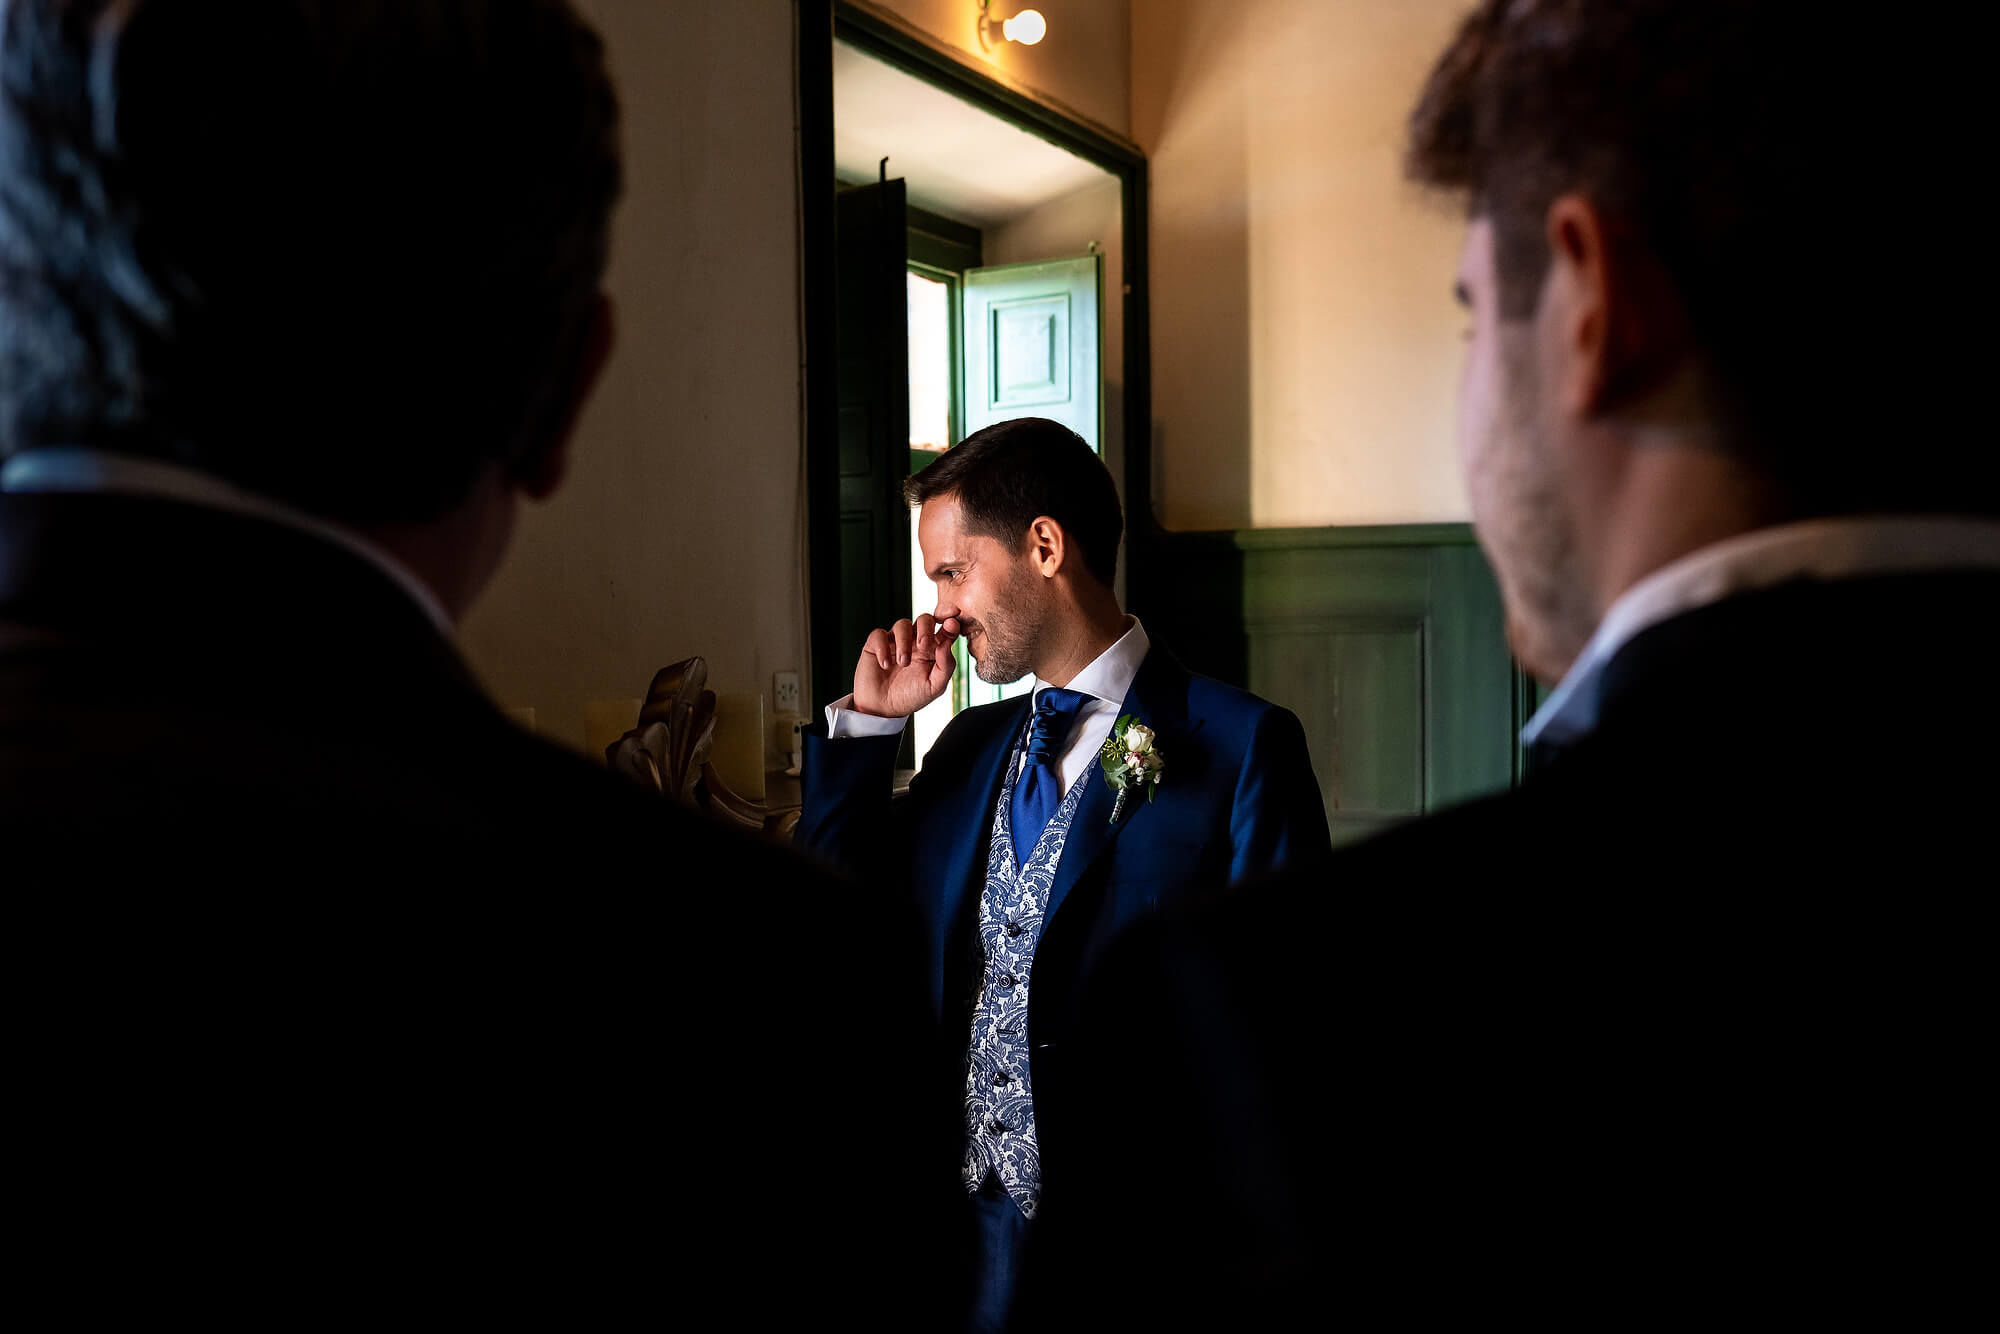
(1038, 791)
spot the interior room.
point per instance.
(1258, 603)
(1299, 354)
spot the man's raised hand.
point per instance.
(905, 667)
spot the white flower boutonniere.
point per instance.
(1132, 760)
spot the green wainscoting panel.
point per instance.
(1389, 643)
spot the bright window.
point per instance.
(930, 363)
(930, 309)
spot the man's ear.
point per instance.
(1609, 313)
(541, 475)
(1048, 544)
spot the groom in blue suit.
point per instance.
(1040, 827)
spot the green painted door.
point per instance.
(1033, 346)
(871, 238)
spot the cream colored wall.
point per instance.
(1305, 345)
(1064, 227)
(679, 530)
(1085, 62)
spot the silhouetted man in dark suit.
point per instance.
(1686, 1024)
(339, 993)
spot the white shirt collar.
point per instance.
(98, 471)
(1813, 549)
(1110, 674)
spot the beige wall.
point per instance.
(678, 531)
(1305, 345)
(1085, 62)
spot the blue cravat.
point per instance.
(1038, 791)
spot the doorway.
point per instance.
(986, 262)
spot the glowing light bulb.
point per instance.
(1026, 27)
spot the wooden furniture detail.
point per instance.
(668, 753)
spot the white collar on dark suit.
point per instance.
(95, 471)
(1107, 680)
(1812, 549)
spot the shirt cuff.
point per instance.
(843, 721)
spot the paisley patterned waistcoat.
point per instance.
(999, 1093)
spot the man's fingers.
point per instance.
(922, 640)
(942, 665)
(947, 630)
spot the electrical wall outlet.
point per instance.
(785, 692)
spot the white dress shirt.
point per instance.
(1812, 549)
(97, 471)
(1104, 683)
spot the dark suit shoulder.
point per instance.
(1208, 697)
(1291, 924)
(1232, 711)
(261, 702)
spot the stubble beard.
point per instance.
(1531, 536)
(1010, 634)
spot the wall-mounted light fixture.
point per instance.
(1026, 27)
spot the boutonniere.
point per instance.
(1132, 760)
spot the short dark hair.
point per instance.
(1754, 148)
(346, 253)
(1014, 472)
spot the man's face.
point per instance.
(999, 601)
(1518, 499)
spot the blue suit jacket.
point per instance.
(1238, 798)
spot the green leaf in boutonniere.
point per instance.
(1132, 761)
